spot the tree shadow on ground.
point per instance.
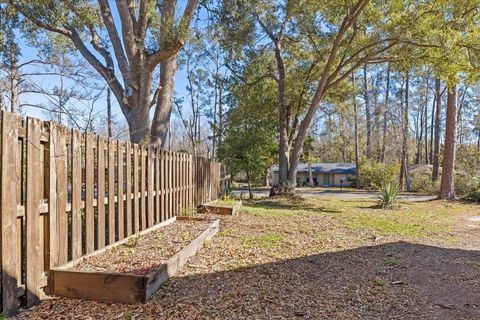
(390, 281)
(398, 280)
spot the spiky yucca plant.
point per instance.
(388, 195)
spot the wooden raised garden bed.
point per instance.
(108, 276)
(221, 207)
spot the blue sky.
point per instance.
(29, 53)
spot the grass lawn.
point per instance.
(311, 258)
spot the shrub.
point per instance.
(376, 174)
(388, 195)
(474, 190)
(464, 183)
(422, 182)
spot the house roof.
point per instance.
(347, 168)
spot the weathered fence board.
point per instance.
(120, 201)
(8, 204)
(111, 191)
(136, 210)
(67, 193)
(101, 192)
(76, 187)
(32, 214)
(89, 180)
(143, 205)
(128, 185)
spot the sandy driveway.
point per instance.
(346, 194)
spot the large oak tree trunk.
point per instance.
(161, 118)
(436, 142)
(447, 189)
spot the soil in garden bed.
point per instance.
(145, 253)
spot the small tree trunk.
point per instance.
(404, 171)
(447, 189)
(436, 143)
(357, 151)
(310, 174)
(367, 113)
(432, 125)
(266, 181)
(249, 184)
(109, 112)
(385, 117)
(283, 155)
(426, 128)
(13, 79)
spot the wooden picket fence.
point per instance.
(65, 194)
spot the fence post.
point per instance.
(32, 212)
(8, 211)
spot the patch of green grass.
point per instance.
(379, 282)
(265, 241)
(391, 262)
(227, 232)
(332, 217)
(132, 241)
(185, 236)
(384, 225)
(128, 252)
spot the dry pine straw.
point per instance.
(143, 254)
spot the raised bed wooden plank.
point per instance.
(215, 208)
(176, 263)
(123, 287)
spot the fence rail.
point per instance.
(65, 194)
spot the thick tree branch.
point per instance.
(128, 30)
(107, 73)
(38, 22)
(115, 40)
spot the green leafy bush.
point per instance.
(422, 182)
(388, 195)
(375, 174)
(474, 190)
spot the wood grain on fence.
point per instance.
(66, 193)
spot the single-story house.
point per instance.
(324, 174)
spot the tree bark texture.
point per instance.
(447, 188)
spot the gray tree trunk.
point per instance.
(436, 143)
(368, 114)
(385, 117)
(161, 118)
(357, 151)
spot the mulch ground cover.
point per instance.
(318, 259)
(145, 253)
